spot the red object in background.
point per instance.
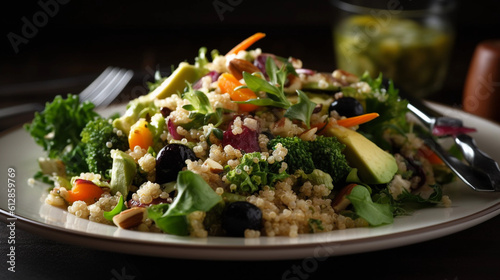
(481, 94)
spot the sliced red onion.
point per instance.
(213, 74)
(305, 71)
(441, 130)
(172, 129)
(197, 85)
(260, 62)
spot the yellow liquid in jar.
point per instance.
(413, 55)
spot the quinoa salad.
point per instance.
(244, 144)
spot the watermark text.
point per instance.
(31, 26)
(11, 222)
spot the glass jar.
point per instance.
(407, 41)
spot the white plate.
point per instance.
(18, 151)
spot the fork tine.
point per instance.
(114, 88)
(106, 86)
(89, 90)
(101, 88)
(126, 77)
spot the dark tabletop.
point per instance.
(74, 42)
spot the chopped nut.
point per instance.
(309, 135)
(237, 66)
(213, 166)
(297, 63)
(340, 202)
(55, 200)
(130, 218)
(344, 77)
(52, 166)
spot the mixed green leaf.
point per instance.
(275, 94)
(194, 194)
(200, 110)
(385, 101)
(375, 214)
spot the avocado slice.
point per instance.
(143, 105)
(176, 82)
(375, 166)
(122, 172)
(136, 109)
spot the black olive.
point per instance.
(170, 160)
(239, 216)
(347, 106)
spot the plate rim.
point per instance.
(71, 236)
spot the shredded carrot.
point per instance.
(227, 83)
(320, 126)
(429, 154)
(353, 121)
(245, 44)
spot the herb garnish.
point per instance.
(275, 94)
(200, 110)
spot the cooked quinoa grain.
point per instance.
(200, 132)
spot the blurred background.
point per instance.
(52, 47)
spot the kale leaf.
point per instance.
(57, 130)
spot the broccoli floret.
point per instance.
(317, 177)
(298, 156)
(98, 139)
(328, 157)
(324, 153)
(254, 172)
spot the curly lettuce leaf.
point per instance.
(58, 127)
(375, 214)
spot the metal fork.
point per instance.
(101, 92)
(481, 173)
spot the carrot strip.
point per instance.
(227, 83)
(353, 121)
(245, 44)
(320, 126)
(429, 154)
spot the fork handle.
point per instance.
(20, 109)
(427, 115)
